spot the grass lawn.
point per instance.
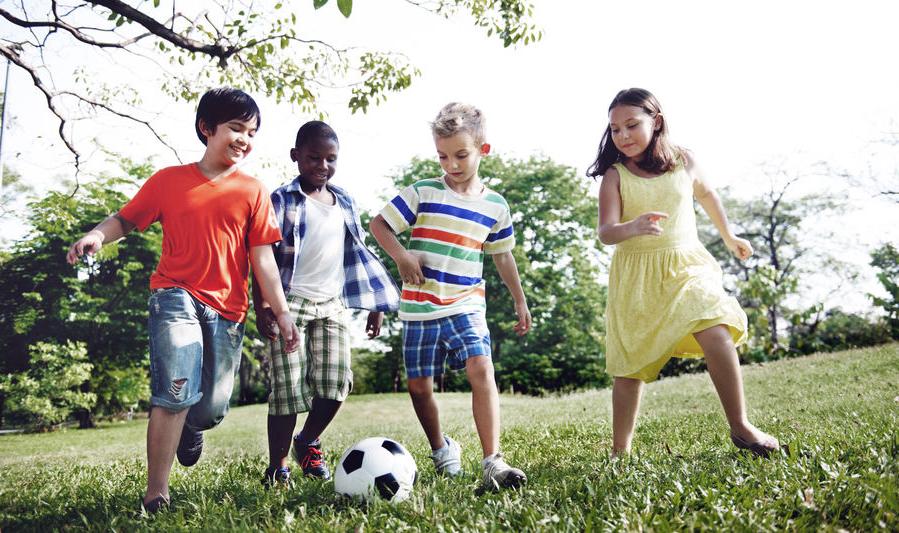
(837, 413)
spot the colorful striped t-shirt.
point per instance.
(451, 232)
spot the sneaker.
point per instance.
(448, 460)
(499, 475)
(309, 457)
(190, 446)
(276, 476)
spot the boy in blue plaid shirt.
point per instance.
(325, 268)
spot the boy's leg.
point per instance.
(176, 353)
(163, 432)
(626, 394)
(484, 402)
(421, 390)
(327, 382)
(724, 369)
(280, 431)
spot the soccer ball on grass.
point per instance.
(376, 467)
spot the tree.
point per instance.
(767, 282)
(558, 259)
(102, 303)
(886, 259)
(242, 43)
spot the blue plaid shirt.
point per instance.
(367, 283)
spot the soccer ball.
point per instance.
(376, 466)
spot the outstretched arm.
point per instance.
(508, 272)
(407, 263)
(611, 229)
(265, 272)
(711, 204)
(113, 228)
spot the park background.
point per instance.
(793, 109)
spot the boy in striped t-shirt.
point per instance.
(454, 221)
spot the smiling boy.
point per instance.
(216, 222)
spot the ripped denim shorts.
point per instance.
(194, 357)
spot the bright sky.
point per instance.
(742, 85)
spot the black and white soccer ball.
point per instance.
(376, 467)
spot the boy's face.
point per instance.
(460, 156)
(316, 161)
(230, 142)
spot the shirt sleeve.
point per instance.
(263, 227)
(402, 211)
(502, 235)
(144, 208)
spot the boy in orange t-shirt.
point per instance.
(216, 222)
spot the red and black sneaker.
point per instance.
(309, 456)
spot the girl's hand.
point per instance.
(739, 247)
(648, 223)
(409, 266)
(373, 326)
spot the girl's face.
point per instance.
(632, 129)
(316, 161)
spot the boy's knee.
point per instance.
(421, 387)
(479, 367)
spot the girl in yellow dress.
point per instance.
(666, 297)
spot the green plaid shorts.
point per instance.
(320, 367)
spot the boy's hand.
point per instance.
(289, 332)
(267, 323)
(409, 266)
(524, 318)
(739, 247)
(373, 326)
(89, 244)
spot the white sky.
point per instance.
(741, 84)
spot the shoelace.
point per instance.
(313, 458)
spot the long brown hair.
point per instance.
(660, 155)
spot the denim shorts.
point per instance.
(194, 357)
(429, 344)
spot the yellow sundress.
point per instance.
(662, 289)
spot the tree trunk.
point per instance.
(243, 375)
(85, 419)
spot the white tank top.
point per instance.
(319, 273)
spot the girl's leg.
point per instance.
(422, 392)
(724, 369)
(484, 402)
(626, 394)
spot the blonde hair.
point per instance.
(457, 118)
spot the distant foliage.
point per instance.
(101, 303)
(49, 391)
(886, 259)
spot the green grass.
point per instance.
(836, 412)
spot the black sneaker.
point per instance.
(309, 457)
(276, 476)
(190, 446)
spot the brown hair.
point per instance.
(457, 118)
(660, 155)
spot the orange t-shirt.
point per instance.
(208, 228)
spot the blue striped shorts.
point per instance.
(430, 344)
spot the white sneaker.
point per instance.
(448, 460)
(499, 475)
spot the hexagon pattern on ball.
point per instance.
(376, 467)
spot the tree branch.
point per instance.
(123, 115)
(12, 54)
